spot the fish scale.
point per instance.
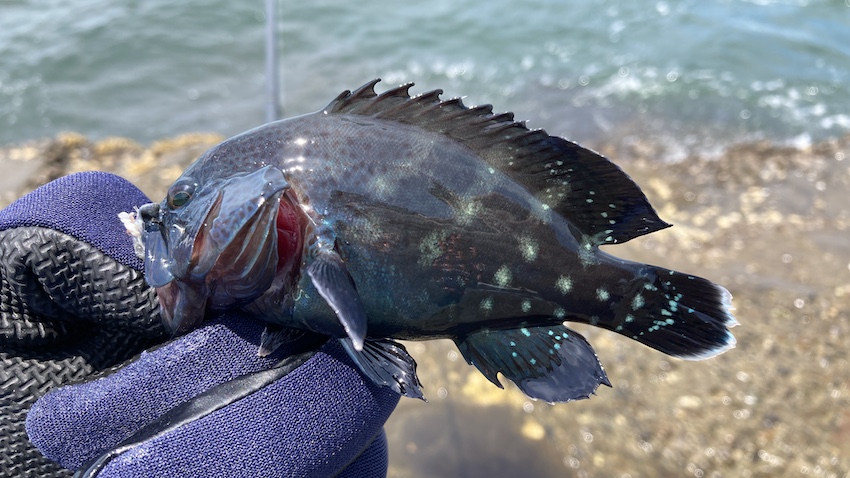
(420, 219)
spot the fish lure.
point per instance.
(386, 216)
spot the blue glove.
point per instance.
(202, 405)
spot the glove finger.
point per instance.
(314, 422)
(65, 256)
(85, 206)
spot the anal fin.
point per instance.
(387, 363)
(552, 363)
(334, 283)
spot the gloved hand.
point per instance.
(186, 408)
(72, 301)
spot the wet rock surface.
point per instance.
(771, 223)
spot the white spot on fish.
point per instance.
(560, 313)
(630, 318)
(564, 284)
(526, 305)
(528, 247)
(602, 294)
(487, 304)
(467, 211)
(503, 276)
(525, 332)
(585, 253)
(429, 248)
(637, 302)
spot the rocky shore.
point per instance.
(771, 223)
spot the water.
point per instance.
(696, 73)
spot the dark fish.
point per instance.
(389, 217)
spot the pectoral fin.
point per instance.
(335, 285)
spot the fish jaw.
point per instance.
(216, 251)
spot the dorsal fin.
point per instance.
(584, 187)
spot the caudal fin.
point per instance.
(679, 314)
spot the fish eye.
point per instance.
(180, 195)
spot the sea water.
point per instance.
(696, 72)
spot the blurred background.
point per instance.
(733, 115)
(702, 72)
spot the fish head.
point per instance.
(218, 243)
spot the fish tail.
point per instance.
(682, 315)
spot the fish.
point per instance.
(387, 217)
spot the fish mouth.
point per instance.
(219, 251)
